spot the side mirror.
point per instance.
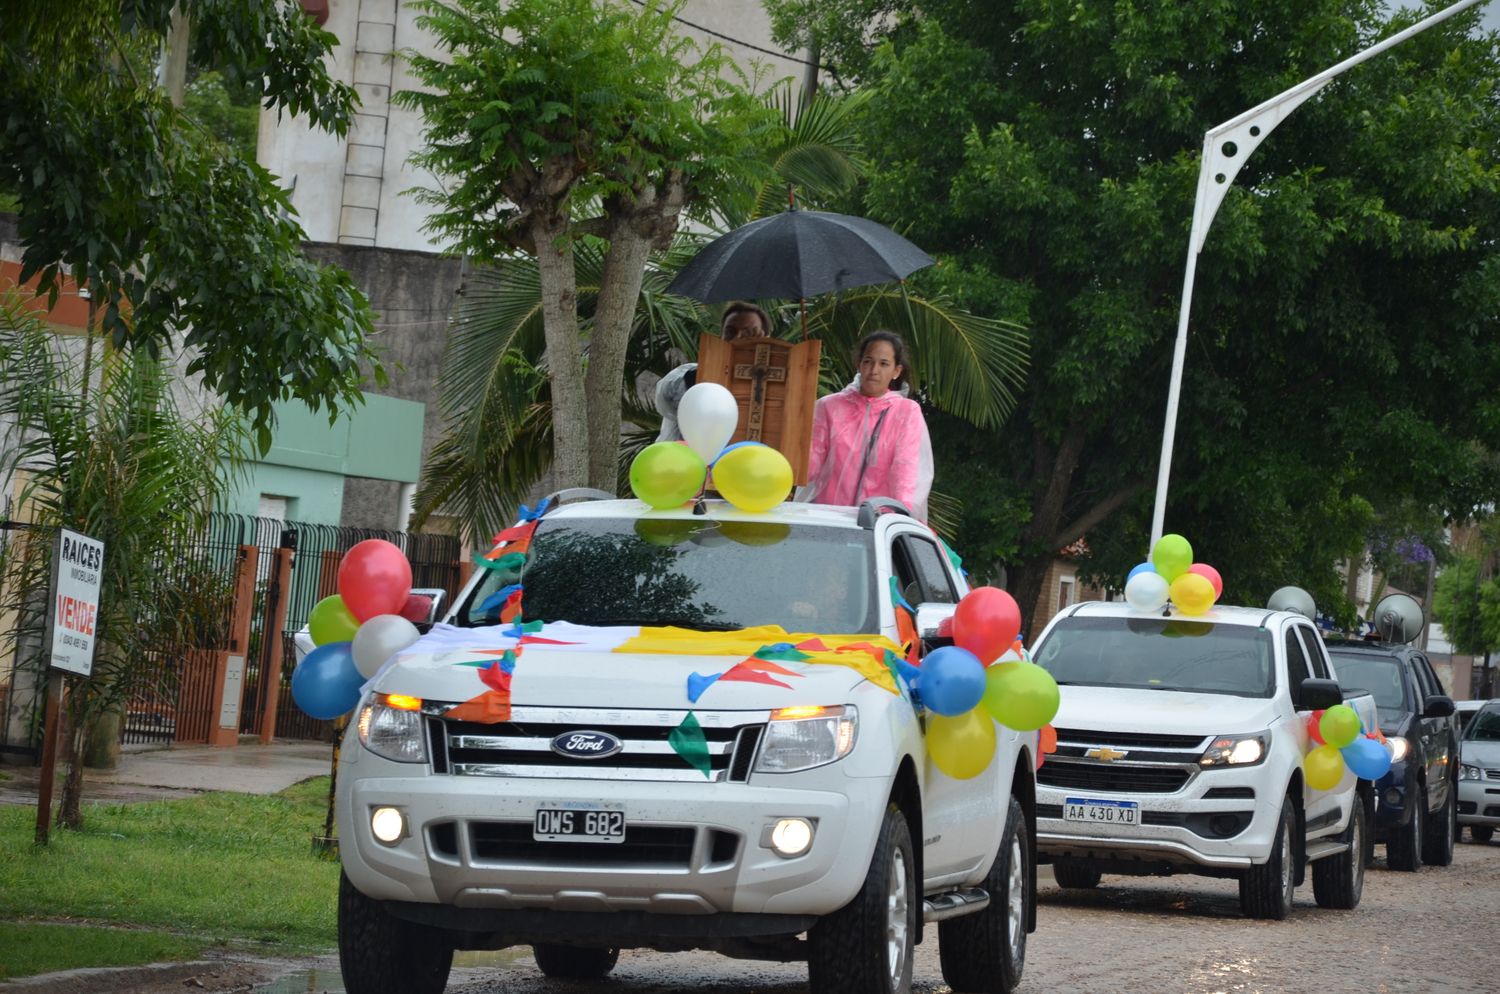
(435, 610)
(1319, 695)
(1437, 706)
(930, 618)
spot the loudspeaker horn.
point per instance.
(1398, 618)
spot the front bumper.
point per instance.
(1479, 801)
(1392, 807)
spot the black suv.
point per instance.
(1416, 809)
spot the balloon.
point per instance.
(707, 415)
(379, 639)
(1022, 695)
(326, 683)
(952, 680)
(986, 621)
(1147, 591)
(330, 621)
(1205, 570)
(1313, 731)
(754, 478)
(1323, 767)
(1192, 593)
(1339, 725)
(1367, 758)
(962, 745)
(417, 608)
(665, 474)
(1145, 567)
(374, 578)
(1172, 555)
(730, 448)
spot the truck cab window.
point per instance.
(1296, 666)
(923, 560)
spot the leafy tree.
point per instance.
(560, 119)
(181, 239)
(1343, 334)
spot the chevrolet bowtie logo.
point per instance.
(1106, 754)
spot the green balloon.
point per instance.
(1020, 695)
(1339, 726)
(1172, 556)
(666, 474)
(330, 621)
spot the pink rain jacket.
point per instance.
(900, 460)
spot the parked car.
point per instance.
(1479, 773)
(1465, 711)
(1416, 813)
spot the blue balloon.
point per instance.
(952, 681)
(731, 448)
(326, 683)
(1367, 758)
(1142, 568)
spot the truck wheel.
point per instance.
(1482, 833)
(1404, 850)
(984, 953)
(866, 947)
(1339, 881)
(574, 962)
(1266, 890)
(382, 954)
(1073, 873)
(1437, 842)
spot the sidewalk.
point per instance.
(182, 771)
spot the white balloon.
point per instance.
(707, 416)
(1146, 591)
(379, 639)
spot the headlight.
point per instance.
(391, 726)
(1235, 750)
(804, 737)
(1399, 747)
(1467, 772)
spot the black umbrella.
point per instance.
(798, 254)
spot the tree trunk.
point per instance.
(70, 808)
(619, 290)
(102, 744)
(559, 282)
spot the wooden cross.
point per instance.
(758, 373)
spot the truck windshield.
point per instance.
(1485, 727)
(1160, 654)
(1379, 674)
(693, 573)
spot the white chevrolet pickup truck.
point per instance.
(1179, 750)
(627, 774)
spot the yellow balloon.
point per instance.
(1193, 593)
(1020, 695)
(1323, 767)
(962, 745)
(753, 477)
(665, 474)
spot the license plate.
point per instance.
(578, 823)
(1096, 809)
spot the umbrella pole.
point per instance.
(802, 304)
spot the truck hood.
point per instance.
(1477, 752)
(1120, 709)
(562, 678)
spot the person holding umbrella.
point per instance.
(870, 439)
(739, 320)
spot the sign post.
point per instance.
(72, 620)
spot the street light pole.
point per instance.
(1225, 149)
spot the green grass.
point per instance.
(32, 948)
(220, 868)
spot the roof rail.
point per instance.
(872, 508)
(570, 494)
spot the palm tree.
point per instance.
(495, 400)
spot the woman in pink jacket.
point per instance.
(869, 439)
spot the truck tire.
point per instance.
(1437, 839)
(985, 953)
(1404, 850)
(382, 954)
(867, 946)
(1266, 890)
(574, 962)
(1339, 881)
(1075, 874)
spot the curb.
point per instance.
(217, 975)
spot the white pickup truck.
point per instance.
(1179, 750)
(811, 826)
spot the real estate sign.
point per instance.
(77, 564)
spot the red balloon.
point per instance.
(1314, 729)
(1211, 575)
(986, 622)
(945, 628)
(417, 606)
(374, 578)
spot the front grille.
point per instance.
(1230, 793)
(1128, 740)
(522, 746)
(1113, 777)
(1492, 774)
(645, 846)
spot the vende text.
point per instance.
(75, 614)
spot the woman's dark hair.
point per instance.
(897, 345)
(745, 307)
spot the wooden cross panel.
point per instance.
(775, 384)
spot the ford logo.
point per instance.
(586, 745)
